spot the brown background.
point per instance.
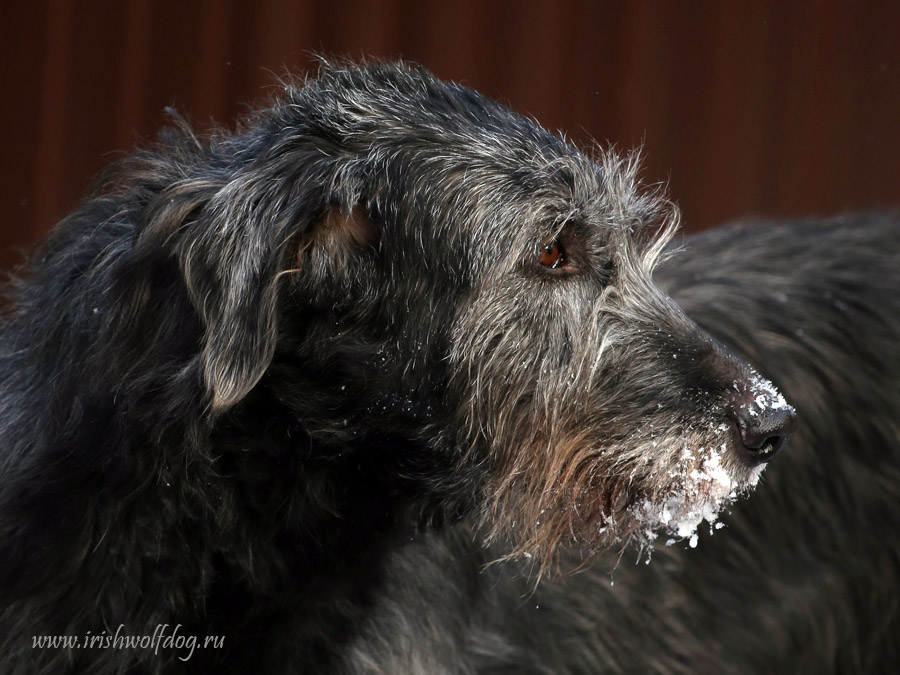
(780, 107)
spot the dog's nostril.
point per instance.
(763, 431)
(775, 442)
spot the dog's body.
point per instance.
(297, 387)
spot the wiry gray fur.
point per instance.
(347, 386)
(805, 576)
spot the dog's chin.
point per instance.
(700, 490)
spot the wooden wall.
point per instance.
(773, 107)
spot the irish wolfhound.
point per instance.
(271, 401)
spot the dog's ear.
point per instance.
(238, 243)
(330, 244)
(230, 242)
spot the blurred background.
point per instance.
(743, 108)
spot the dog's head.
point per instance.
(401, 257)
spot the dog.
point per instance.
(342, 391)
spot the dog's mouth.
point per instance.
(711, 464)
(700, 485)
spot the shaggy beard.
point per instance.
(574, 495)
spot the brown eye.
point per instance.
(551, 255)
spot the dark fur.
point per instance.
(298, 385)
(805, 578)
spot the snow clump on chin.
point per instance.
(707, 486)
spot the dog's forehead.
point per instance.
(447, 155)
(392, 109)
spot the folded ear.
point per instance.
(328, 247)
(244, 245)
(243, 260)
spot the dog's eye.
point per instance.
(551, 255)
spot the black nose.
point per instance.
(764, 429)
